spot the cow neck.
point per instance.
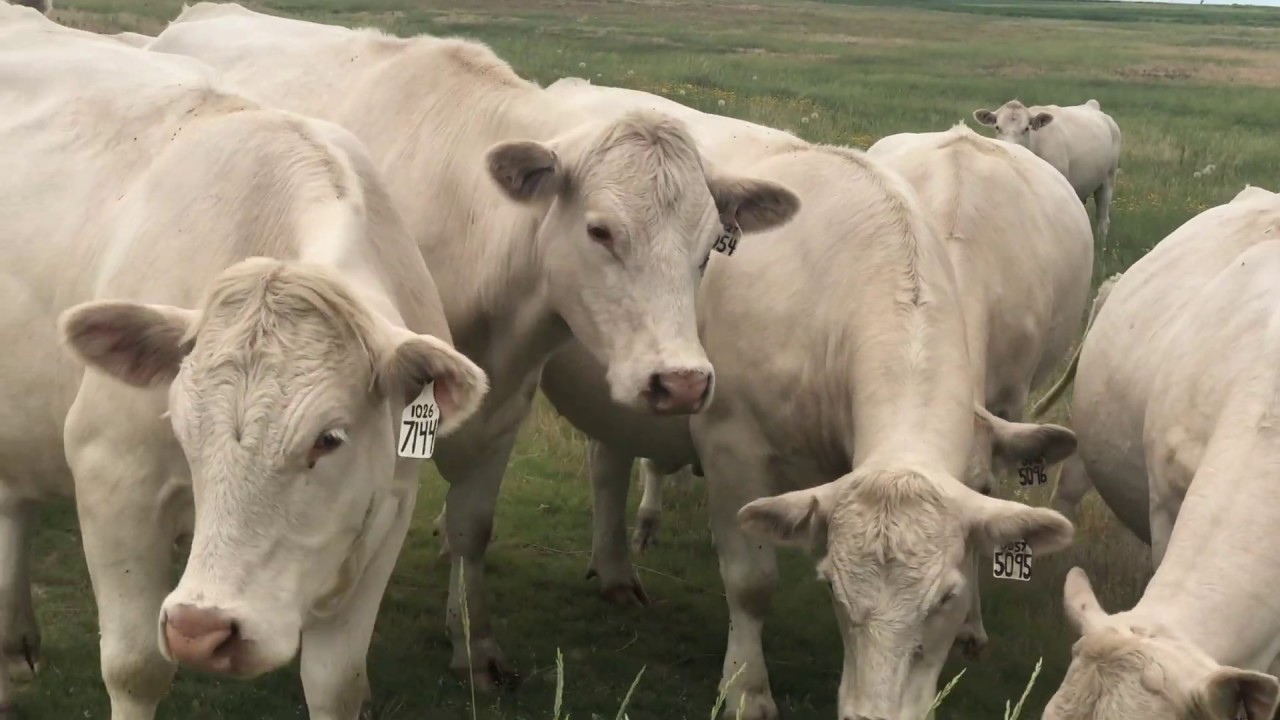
(1214, 585)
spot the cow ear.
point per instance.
(756, 205)
(994, 523)
(794, 519)
(1082, 607)
(1017, 442)
(1039, 120)
(985, 117)
(526, 171)
(1231, 689)
(460, 385)
(142, 345)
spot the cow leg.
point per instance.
(335, 675)
(749, 569)
(649, 516)
(128, 548)
(474, 482)
(1102, 207)
(438, 529)
(1073, 485)
(610, 555)
(22, 643)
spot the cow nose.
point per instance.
(678, 392)
(201, 638)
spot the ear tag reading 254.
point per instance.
(1012, 562)
(418, 425)
(725, 243)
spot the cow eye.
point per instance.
(599, 233)
(326, 442)
(944, 601)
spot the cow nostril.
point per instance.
(657, 391)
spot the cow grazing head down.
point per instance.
(633, 213)
(1013, 122)
(1123, 670)
(285, 394)
(894, 546)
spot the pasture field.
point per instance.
(1191, 87)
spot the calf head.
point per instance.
(1123, 670)
(284, 393)
(1025, 451)
(632, 215)
(893, 547)
(1013, 122)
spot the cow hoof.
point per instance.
(754, 706)
(490, 676)
(646, 534)
(631, 593)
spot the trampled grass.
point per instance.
(1190, 88)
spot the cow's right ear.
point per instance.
(526, 171)
(142, 345)
(415, 360)
(794, 519)
(984, 116)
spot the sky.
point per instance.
(1269, 3)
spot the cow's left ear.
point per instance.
(414, 360)
(756, 205)
(1039, 120)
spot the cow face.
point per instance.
(285, 395)
(632, 215)
(894, 548)
(1013, 122)
(1123, 669)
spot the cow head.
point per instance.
(285, 395)
(894, 546)
(1123, 669)
(632, 215)
(1013, 122)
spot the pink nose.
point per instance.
(678, 392)
(201, 638)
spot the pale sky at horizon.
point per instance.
(1267, 3)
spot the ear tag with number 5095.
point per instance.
(1012, 562)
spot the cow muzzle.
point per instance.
(211, 640)
(678, 392)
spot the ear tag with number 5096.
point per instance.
(418, 425)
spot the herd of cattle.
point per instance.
(258, 266)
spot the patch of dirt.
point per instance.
(1155, 72)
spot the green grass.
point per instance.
(1189, 87)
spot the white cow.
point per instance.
(1081, 141)
(254, 318)
(597, 234)
(864, 268)
(1177, 392)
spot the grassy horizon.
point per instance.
(1187, 95)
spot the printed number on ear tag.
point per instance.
(1032, 472)
(727, 242)
(1012, 562)
(418, 425)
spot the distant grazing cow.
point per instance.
(852, 321)
(1081, 141)
(597, 233)
(254, 319)
(1177, 396)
